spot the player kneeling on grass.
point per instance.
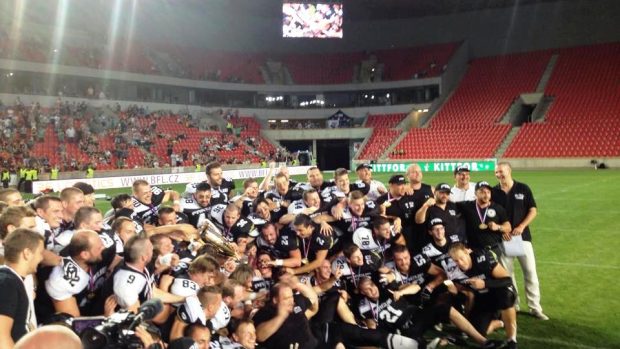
(386, 309)
(493, 290)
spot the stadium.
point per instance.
(213, 125)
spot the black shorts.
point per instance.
(488, 305)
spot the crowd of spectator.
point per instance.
(79, 131)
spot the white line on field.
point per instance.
(585, 265)
(558, 342)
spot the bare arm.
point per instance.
(439, 274)
(187, 229)
(167, 297)
(309, 293)
(320, 257)
(51, 259)
(420, 216)
(6, 324)
(177, 329)
(264, 185)
(68, 306)
(531, 214)
(294, 259)
(268, 328)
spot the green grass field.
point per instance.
(574, 239)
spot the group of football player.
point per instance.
(282, 264)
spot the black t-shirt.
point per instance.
(294, 330)
(419, 236)
(517, 203)
(14, 302)
(481, 238)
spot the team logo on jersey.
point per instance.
(519, 196)
(284, 240)
(491, 213)
(71, 274)
(452, 212)
(297, 309)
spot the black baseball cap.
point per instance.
(483, 184)
(361, 166)
(445, 187)
(397, 179)
(435, 221)
(461, 168)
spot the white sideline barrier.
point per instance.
(157, 179)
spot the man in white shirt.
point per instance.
(462, 190)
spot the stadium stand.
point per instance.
(465, 127)
(489, 87)
(383, 134)
(583, 119)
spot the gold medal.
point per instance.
(483, 226)
(304, 261)
(90, 296)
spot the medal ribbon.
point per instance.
(482, 218)
(306, 249)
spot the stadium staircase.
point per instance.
(467, 125)
(583, 119)
(383, 134)
(506, 142)
(544, 80)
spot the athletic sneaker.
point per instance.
(539, 315)
(511, 345)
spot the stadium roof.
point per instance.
(361, 10)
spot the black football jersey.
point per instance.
(195, 213)
(483, 263)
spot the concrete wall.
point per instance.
(337, 133)
(107, 75)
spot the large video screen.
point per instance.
(311, 20)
